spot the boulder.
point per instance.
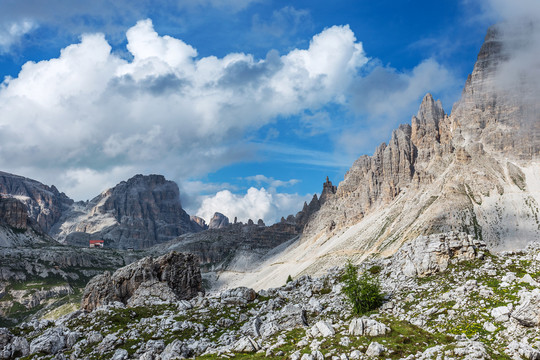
(323, 328)
(246, 345)
(50, 342)
(178, 273)
(120, 354)
(427, 255)
(240, 295)
(176, 350)
(367, 327)
(501, 313)
(527, 313)
(375, 349)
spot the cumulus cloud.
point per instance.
(166, 110)
(254, 204)
(387, 97)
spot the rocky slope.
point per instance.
(34, 280)
(476, 170)
(456, 301)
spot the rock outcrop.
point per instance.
(218, 221)
(177, 273)
(13, 213)
(427, 255)
(17, 228)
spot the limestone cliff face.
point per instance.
(17, 228)
(13, 213)
(138, 213)
(44, 204)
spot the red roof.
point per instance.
(96, 241)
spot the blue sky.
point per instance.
(247, 104)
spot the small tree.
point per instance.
(363, 292)
(289, 279)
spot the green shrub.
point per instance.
(363, 292)
(289, 279)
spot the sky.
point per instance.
(247, 104)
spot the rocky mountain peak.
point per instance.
(425, 125)
(138, 213)
(199, 221)
(171, 277)
(328, 190)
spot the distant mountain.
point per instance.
(476, 170)
(238, 248)
(138, 213)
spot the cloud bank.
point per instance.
(91, 117)
(90, 109)
(255, 204)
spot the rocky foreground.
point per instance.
(447, 297)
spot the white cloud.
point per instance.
(11, 32)
(166, 111)
(285, 21)
(255, 204)
(271, 182)
(386, 98)
(511, 10)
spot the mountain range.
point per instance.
(475, 171)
